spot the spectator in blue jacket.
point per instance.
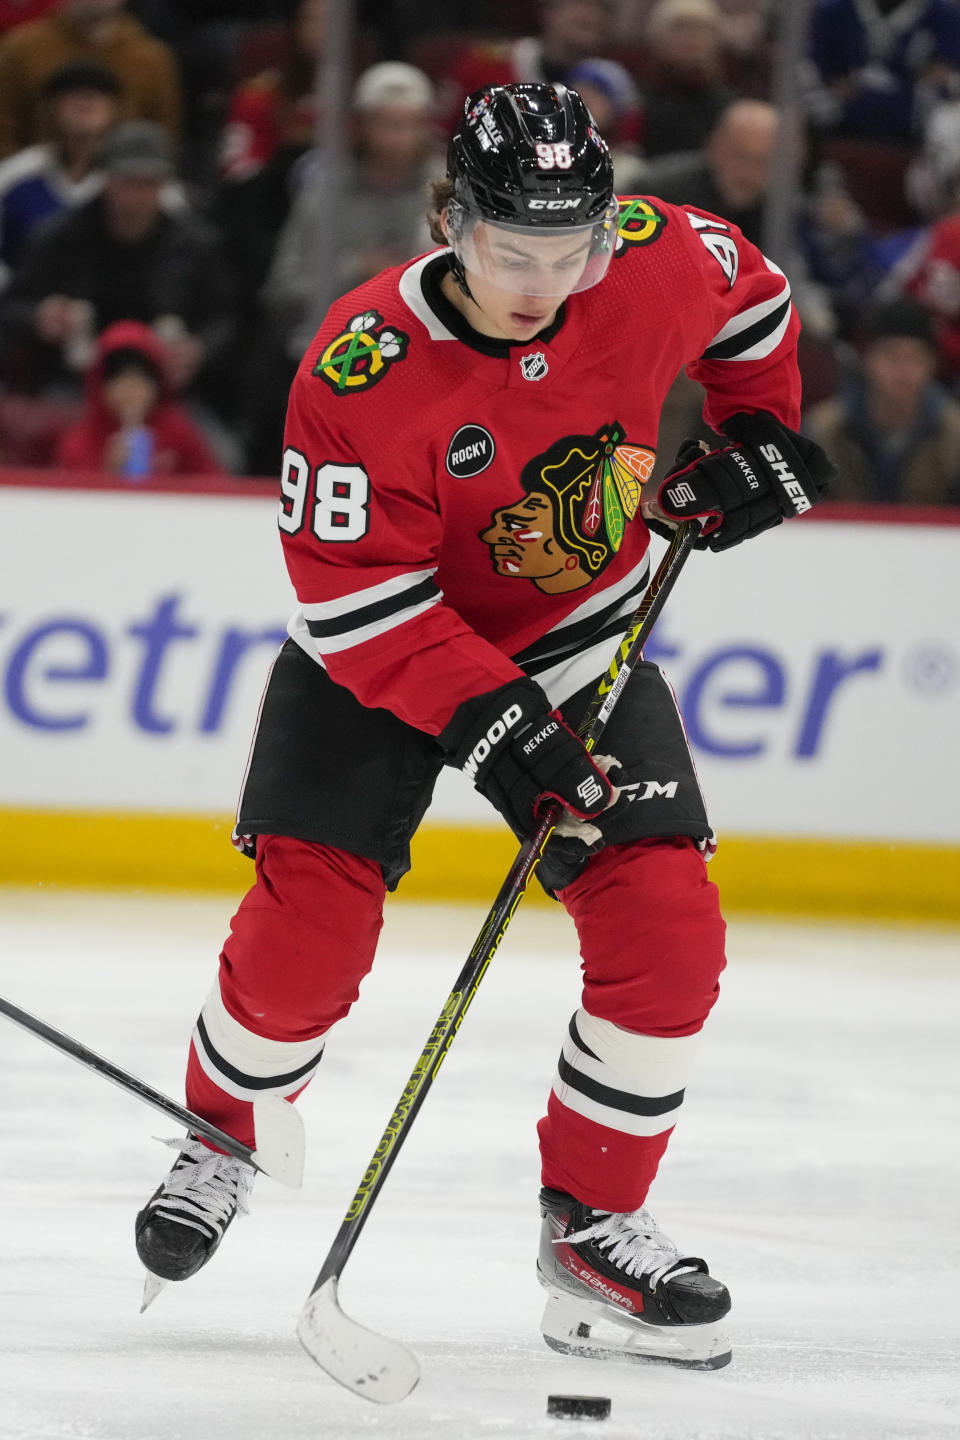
(40, 181)
(880, 65)
(122, 256)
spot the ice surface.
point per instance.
(816, 1168)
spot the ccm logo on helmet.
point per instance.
(569, 204)
(788, 480)
(494, 735)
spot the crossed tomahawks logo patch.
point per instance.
(639, 223)
(361, 355)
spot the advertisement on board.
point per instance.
(817, 669)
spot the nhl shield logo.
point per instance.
(534, 367)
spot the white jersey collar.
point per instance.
(411, 293)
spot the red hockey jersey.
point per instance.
(456, 509)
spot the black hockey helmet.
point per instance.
(528, 157)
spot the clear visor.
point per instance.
(528, 261)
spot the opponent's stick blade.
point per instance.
(369, 1364)
(280, 1142)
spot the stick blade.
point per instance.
(369, 1364)
(279, 1139)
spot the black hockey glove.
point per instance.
(767, 474)
(518, 752)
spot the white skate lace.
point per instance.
(634, 1242)
(205, 1184)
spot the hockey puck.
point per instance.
(578, 1407)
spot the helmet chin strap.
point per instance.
(455, 265)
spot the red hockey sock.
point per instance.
(302, 940)
(651, 938)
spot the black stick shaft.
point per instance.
(510, 894)
(68, 1046)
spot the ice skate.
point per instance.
(619, 1288)
(184, 1221)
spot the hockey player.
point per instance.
(463, 518)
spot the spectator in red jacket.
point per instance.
(275, 110)
(15, 12)
(929, 271)
(132, 426)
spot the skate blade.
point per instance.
(595, 1331)
(152, 1286)
(369, 1364)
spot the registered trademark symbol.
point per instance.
(932, 668)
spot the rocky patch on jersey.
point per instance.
(361, 355)
(470, 451)
(640, 223)
(578, 497)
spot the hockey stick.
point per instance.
(277, 1125)
(372, 1365)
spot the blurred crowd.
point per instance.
(163, 182)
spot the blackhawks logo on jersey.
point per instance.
(579, 496)
(361, 355)
(640, 223)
